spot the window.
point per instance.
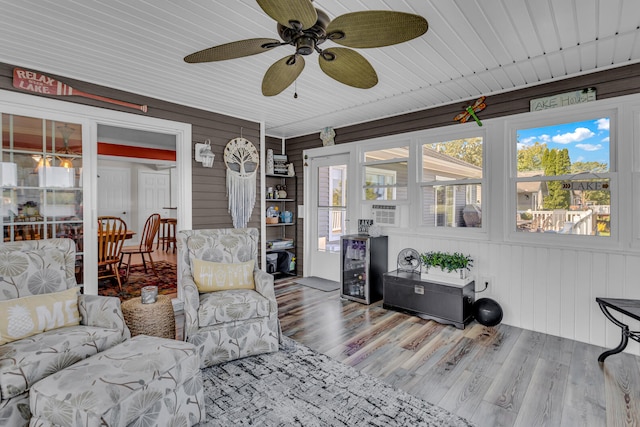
(563, 178)
(451, 183)
(40, 169)
(332, 206)
(386, 174)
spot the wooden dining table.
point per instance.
(128, 234)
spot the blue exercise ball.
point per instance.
(487, 312)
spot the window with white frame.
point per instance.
(451, 183)
(563, 178)
(386, 174)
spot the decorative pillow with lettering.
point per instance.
(218, 276)
(27, 316)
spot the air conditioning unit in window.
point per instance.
(385, 215)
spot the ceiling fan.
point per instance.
(301, 25)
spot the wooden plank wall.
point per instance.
(609, 83)
(209, 185)
(558, 299)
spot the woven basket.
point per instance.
(272, 220)
(157, 319)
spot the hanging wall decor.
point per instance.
(471, 110)
(40, 83)
(327, 136)
(242, 160)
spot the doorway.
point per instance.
(135, 170)
(330, 214)
(89, 119)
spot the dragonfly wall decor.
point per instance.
(471, 111)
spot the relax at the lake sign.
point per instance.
(563, 99)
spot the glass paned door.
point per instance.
(329, 179)
(41, 179)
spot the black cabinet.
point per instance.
(430, 299)
(363, 261)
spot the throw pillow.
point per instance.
(218, 276)
(27, 316)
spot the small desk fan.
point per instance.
(409, 261)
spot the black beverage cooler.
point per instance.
(363, 261)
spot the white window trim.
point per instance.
(89, 117)
(384, 143)
(434, 136)
(383, 172)
(589, 111)
(632, 223)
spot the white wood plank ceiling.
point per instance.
(472, 48)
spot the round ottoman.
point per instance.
(156, 319)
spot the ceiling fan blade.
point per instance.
(348, 67)
(281, 74)
(291, 11)
(232, 50)
(376, 28)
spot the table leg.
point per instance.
(623, 341)
(619, 348)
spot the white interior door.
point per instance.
(154, 195)
(329, 212)
(114, 193)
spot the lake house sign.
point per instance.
(563, 99)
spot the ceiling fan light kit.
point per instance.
(303, 26)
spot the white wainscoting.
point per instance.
(545, 289)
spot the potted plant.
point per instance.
(454, 265)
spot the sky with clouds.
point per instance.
(587, 141)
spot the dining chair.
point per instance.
(112, 232)
(151, 227)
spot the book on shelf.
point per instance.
(280, 243)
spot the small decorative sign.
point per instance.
(563, 99)
(363, 225)
(586, 186)
(39, 83)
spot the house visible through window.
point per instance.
(386, 174)
(563, 178)
(451, 184)
(332, 206)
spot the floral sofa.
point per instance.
(35, 278)
(231, 323)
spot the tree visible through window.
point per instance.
(562, 181)
(452, 174)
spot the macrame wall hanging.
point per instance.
(242, 160)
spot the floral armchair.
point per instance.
(226, 324)
(35, 270)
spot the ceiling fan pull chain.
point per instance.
(295, 89)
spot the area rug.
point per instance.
(298, 386)
(165, 281)
(319, 283)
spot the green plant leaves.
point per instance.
(446, 261)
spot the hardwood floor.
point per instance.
(158, 255)
(502, 376)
